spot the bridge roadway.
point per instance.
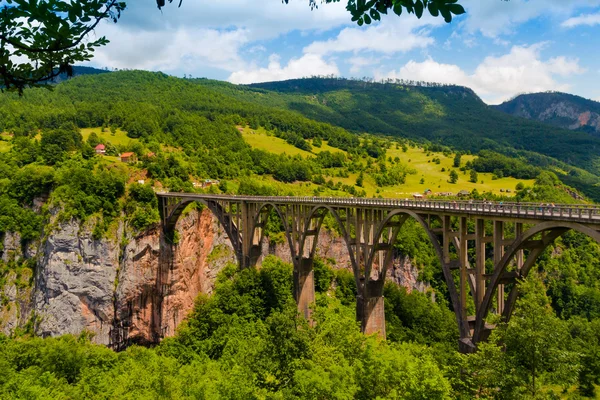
(534, 211)
(508, 235)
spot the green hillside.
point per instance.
(450, 115)
(431, 169)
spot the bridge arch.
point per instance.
(550, 231)
(231, 229)
(311, 216)
(262, 211)
(437, 246)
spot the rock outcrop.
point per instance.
(558, 109)
(127, 290)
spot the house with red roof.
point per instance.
(128, 157)
(100, 149)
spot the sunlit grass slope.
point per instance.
(435, 175)
(118, 138)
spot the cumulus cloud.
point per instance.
(493, 18)
(205, 34)
(390, 36)
(262, 19)
(585, 19)
(178, 49)
(307, 65)
(497, 78)
(358, 63)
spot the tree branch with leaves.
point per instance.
(41, 39)
(367, 11)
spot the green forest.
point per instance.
(246, 341)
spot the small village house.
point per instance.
(128, 157)
(464, 193)
(100, 149)
(209, 182)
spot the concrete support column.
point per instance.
(370, 309)
(520, 256)
(304, 286)
(480, 262)
(498, 254)
(247, 232)
(462, 257)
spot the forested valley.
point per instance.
(246, 339)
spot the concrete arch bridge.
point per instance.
(508, 236)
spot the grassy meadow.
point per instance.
(118, 138)
(435, 176)
(5, 139)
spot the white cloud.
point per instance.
(497, 78)
(358, 63)
(585, 19)
(495, 17)
(307, 65)
(205, 34)
(261, 19)
(390, 36)
(257, 49)
(168, 51)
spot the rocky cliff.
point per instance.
(558, 109)
(127, 289)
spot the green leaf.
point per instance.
(419, 8)
(456, 9)
(375, 15)
(360, 21)
(433, 9)
(398, 8)
(446, 14)
(367, 19)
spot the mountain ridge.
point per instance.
(450, 115)
(563, 110)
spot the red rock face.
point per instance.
(160, 281)
(584, 118)
(138, 290)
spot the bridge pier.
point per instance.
(304, 286)
(370, 309)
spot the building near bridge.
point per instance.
(209, 182)
(128, 157)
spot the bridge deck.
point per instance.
(585, 213)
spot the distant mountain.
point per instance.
(559, 109)
(79, 70)
(450, 115)
(445, 114)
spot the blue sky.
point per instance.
(499, 48)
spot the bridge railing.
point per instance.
(543, 210)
